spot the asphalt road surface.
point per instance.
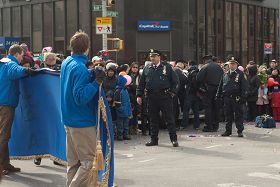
(202, 160)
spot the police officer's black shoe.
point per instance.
(175, 144)
(207, 130)
(240, 134)
(226, 133)
(126, 137)
(37, 161)
(152, 143)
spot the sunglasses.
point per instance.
(50, 66)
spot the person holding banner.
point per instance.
(80, 120)
(10, 73)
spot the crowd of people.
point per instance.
(145, 97)
(196, 91)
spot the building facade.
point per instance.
(182, 29)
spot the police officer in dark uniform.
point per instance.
(161, 84)
(233, 89)
(209, 77)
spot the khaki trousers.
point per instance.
(80, 149)
(6, 120)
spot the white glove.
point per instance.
(139, 100)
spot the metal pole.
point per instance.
(104, 36)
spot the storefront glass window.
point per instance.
(211, 27)
(259, 34)
(251, 35)
(201, 28)
(277, 34)
(84, 16)
(220, 28)
(26, 17)
(1, 22)
(7, 22)
(236, 25)
(71, 19)
(192, 30)
(16, 21)
(229, 31)
(37, 28)
(59, 27)
(48, 24)
(244, 53)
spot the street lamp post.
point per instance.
(104, 14)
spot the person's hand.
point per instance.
(139, 100)
(99, 74)
(31, 71)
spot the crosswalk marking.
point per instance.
(234, 185)
(264, 175)
(277, 165)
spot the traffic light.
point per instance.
(115, 44)
(111, 2)
(118, 44)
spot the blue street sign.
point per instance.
(7, 42)
(153, 25)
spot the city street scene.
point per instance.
(133, 93)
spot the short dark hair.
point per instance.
(14, 49)
(192, 63)
(79, 43)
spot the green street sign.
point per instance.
(112, 14)
(96, 8)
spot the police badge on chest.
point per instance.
(164, 70)
(237, 78)
(164, 73)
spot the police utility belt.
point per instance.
(159, 92)
(236, 97)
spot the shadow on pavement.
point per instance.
(36, 179)
(124, 182)
(202, 152)
(56, 169)
(265, 137)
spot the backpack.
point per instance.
(192, 82)
(265, 121)
(117, 97)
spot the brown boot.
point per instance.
(1, 173)
(10, 169)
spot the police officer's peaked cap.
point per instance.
(206, 57)
(154, 52)
(232, 60)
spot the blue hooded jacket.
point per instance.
(78, 93)
(123, 105)
(10, 73)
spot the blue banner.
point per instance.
(37, 128)
(153, 25)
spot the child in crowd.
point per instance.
(123, 109)
(263, 101)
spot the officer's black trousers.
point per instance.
(233, 111)
(211, 109)
(163, 103)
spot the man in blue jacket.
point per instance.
(79, 117)
(10, 73)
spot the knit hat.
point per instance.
(112, 66)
